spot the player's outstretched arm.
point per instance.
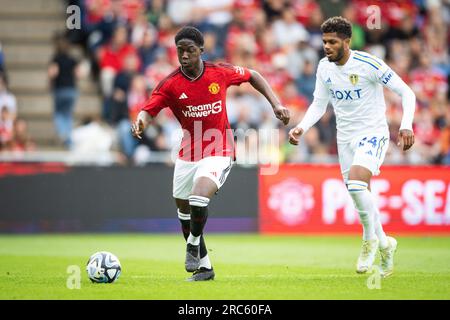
(396, 84)
(259, 83)
(315, 111)
(142, 121)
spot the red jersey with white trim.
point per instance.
(200, 107)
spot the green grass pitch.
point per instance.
(247, 266)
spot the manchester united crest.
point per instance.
(214, 88)
(354, 79)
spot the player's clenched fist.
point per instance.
(282, 114)
(405, 138)
(137, 128)
(294, 135)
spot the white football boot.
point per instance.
(367, 255)
(387, 257)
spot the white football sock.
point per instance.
(193, 240)
(364, 203)
(378, 226)
(205, 263)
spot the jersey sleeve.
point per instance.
(235, 75)
(389, 79)
(380, 72)
(319, 105)
(159, 100)
(321, 91)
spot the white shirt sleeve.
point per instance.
(389, 79)
(319, 105)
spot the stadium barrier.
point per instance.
(53, 197)
(314, 199)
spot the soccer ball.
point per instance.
(103, 267)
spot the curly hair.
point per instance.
(190, 33)
(340, 25)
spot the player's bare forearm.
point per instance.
(260, 84)
(142, 121)
(145, 117)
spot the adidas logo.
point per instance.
(183, 96)
(329, 80)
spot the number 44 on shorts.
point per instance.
(372, 141)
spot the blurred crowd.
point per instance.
(14, 135)
(130, 44)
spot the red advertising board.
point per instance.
(314, 199)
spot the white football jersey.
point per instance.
(356, 92)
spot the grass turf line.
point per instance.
(247, 266)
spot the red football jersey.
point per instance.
(200, 107)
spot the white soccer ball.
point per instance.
(103, 267)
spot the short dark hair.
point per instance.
(191, 33)
(340, 25)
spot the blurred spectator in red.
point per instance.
(428, 82)
(251, 10)
(294, 101)
(166, 34)
(159, 69)
(7, 99)
(305, 10)
(137, 95)
(21, 141)
(6, 127)
(112, 55)
(111, 60)
(132, 9)
(278, 75)
(240, 37)
(406, 29)
(427, 136)
(313, 27)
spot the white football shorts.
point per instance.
(186, 172)
(366, 150)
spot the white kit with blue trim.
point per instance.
(355, 90)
